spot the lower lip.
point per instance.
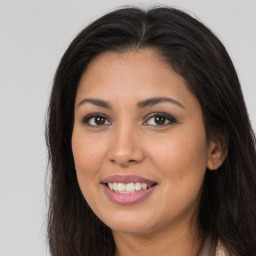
(128, 198)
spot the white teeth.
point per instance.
(144, 186)
(110, 185)
(115, 186)
(121, 187)
(138, 186)
(128, 188)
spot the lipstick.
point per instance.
(127, 189)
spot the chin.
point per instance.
(131, 229)
(130, 224)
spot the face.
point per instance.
(139, 143)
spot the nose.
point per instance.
(125, 147)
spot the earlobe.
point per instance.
(217, 153)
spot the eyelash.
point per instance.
(91, 116)
(168, 117)
(171, 120)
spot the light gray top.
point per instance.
(209, 249)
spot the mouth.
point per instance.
(127, 189)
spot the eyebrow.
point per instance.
(157, 100)
(97, 102)
(142, 104)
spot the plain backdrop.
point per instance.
(33, 36)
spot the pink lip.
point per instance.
(127, 179)
(127, 198)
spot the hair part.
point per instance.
(227, 208)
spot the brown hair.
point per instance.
(228, 204)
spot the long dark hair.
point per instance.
(228, 204)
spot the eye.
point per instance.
(160, 119)
(96, 120)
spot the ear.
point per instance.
(217, 152)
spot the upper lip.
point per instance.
(127, 179)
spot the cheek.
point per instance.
(88, 155)
(182, 159)
(87, 152)
(181, 162)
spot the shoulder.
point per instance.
(220, 250)
(210, 248)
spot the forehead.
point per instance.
(131, 75)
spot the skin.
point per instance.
(175, 155)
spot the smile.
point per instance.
(127, 189)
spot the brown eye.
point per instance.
(160, 119)
(96, 120)
(99, 120)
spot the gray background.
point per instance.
(33, 37)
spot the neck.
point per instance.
(171, 242)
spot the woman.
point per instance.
(150, 144)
